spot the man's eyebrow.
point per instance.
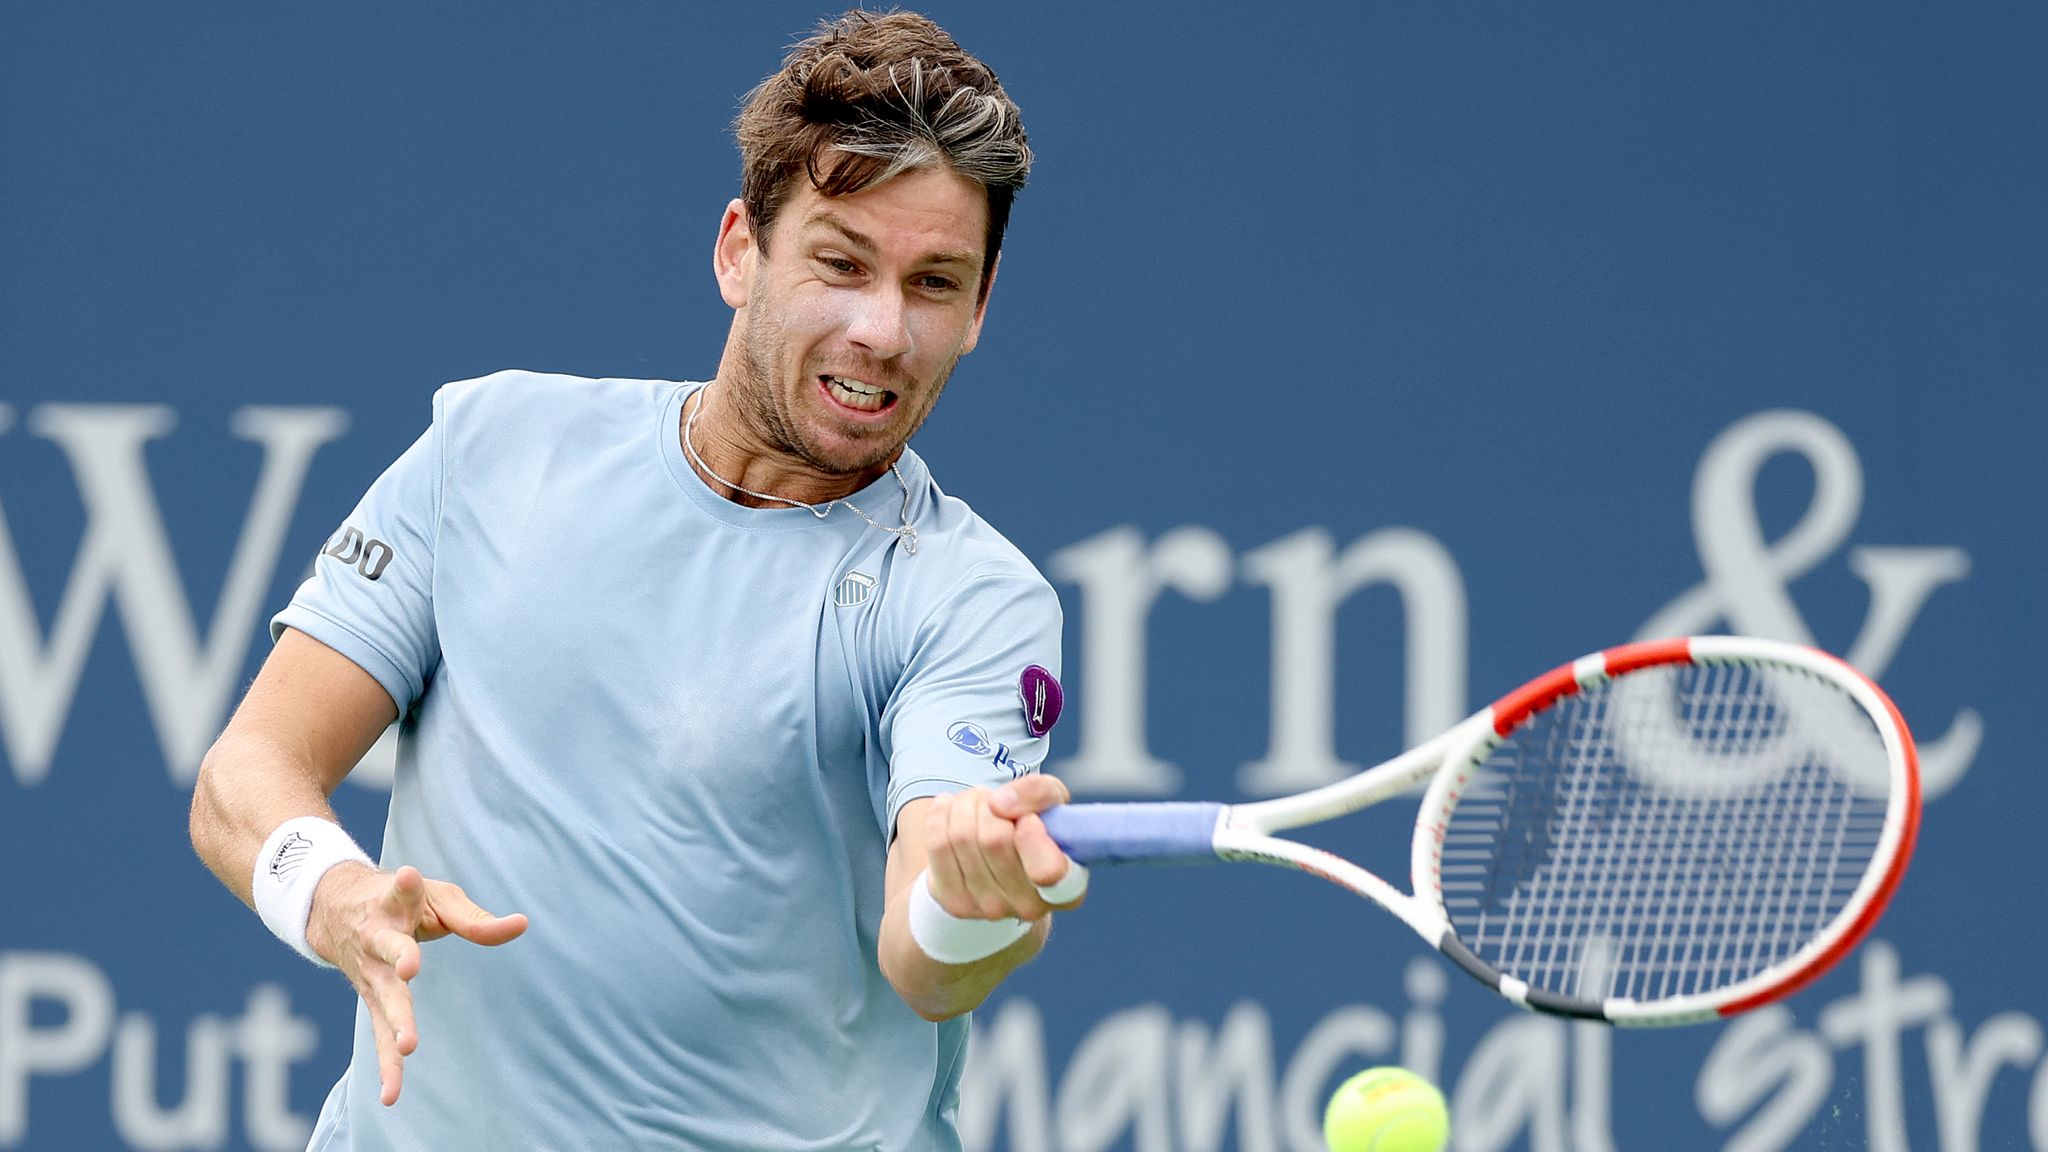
(867, 245)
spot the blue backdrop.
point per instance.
(1349, 364)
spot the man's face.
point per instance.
(852, 315)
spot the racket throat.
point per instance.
(1250, 845)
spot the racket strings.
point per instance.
(1667, 833)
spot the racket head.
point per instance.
(1669, 832)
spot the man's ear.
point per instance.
(981, 310)
(732, 257)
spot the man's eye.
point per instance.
(839, 264)
(936, 283)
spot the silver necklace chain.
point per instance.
(907, 532)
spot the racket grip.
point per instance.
(1112, 833)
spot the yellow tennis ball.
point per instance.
(1386, 1110)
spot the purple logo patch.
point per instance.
(1043, 697)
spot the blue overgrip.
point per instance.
(1113, 833)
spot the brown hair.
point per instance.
(868, 97)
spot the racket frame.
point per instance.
(1791, 973)
(1447, 762)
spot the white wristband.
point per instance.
(1068, 888)
(297, 854)
(949, 939)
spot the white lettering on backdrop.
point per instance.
(1747, 577)
(266, 1039)
(1120, 579)
(1143, 1079)
(126, 556)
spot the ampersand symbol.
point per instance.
(1747, 577)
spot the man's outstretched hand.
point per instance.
(370, 925)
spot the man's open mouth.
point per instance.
(857, 394)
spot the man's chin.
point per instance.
(850, 458)
(848, 448)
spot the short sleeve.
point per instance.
(959, 717)
(370, 597)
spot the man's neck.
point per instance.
(738, 463)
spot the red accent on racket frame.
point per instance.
(1629, 657)
(1532, 698)
(1546, 689)
(1867, 919)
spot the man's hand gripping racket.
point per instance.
(1660, 833)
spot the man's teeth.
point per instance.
(857, 394)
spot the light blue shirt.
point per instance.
(675, 732)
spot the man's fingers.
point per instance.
(398, 950)
(390, 1062)
(965, 826)
(999, 854)
(1044, 863)
(387, 955)
(985, 866)
(407, 895)
(485, 928)
(388, 994)
(1027, 794)
(942, 864)
(450, 911)
(390, 1075)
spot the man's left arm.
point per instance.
(985, 854)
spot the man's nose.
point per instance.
(882, 325)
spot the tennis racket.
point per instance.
(1661, 833)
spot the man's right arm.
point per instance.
(306, 721)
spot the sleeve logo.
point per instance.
(970, 738)
(368, 554)
(1043, 698)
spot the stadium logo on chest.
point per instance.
(854, 590)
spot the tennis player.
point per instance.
(710, 681)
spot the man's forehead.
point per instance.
(930, 216)
(924, 249)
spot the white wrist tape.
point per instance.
(297, 854)
(949, 939)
